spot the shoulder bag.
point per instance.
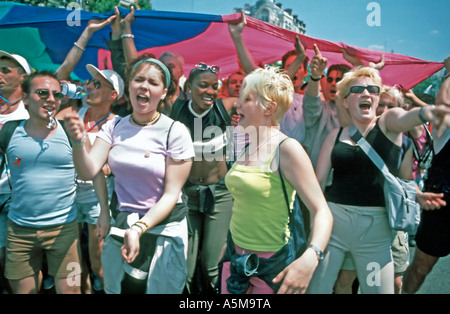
(399, 194)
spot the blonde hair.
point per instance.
(344, 85)
(393, 92)
(272, 86)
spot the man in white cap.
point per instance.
(105, 87)
(13, 70)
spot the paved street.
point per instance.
(438, 281)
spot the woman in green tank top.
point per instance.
(259, 221)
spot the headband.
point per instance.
(157, 62)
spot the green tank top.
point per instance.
(260, 218)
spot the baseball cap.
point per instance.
(19, 59)
(111, 76)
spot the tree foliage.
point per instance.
(98, 6)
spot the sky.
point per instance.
(416, 28)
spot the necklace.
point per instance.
(148, 122)
(259, 146)
(86, 123)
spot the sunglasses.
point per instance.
(97, 83)
(44, 94)
(336, 79)
(372, 89)
(204, 67)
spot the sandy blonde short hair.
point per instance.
(271, 85)
(393, 92)
(344, 85)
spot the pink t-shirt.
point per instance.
(138, 159)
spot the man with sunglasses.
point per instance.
(13, 69)
(321, 116)
(42, 215)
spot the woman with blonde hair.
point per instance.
(355, 196)
(260, 219)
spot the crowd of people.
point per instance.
(149, 184)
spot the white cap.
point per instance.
(19, 59)
(111, 76)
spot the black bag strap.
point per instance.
(168, 133)
(286, 197)
(6, 133)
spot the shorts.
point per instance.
(27, 246)
(5, 200)
(433, 234)
(400, 254)
(88, 212)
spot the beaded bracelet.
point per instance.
(143, 223)
(80, 142)
(78, 46)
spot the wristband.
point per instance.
(421, 116)
(80, 142)
(316, 79)
(78, 46)
(127, 36)
(318, 251)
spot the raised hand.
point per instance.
(236, 29)
(95, 25)
(318, 63)
(74, 126)
(301, 53)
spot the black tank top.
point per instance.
(208, 133)
(356, 179)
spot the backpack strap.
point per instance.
(5, 136)
(7, 132)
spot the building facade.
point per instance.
(273, 13)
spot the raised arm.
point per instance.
(396, 120)
(318, 64)
(355, 61)
(129, 47)
(74, 55)
(244, 55)
(293, 68)
(88, 160)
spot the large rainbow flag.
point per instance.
(44, 37)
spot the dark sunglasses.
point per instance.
(97, 83)
(336, 79)
(372, 89)
(204, 67)
(44, 94)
